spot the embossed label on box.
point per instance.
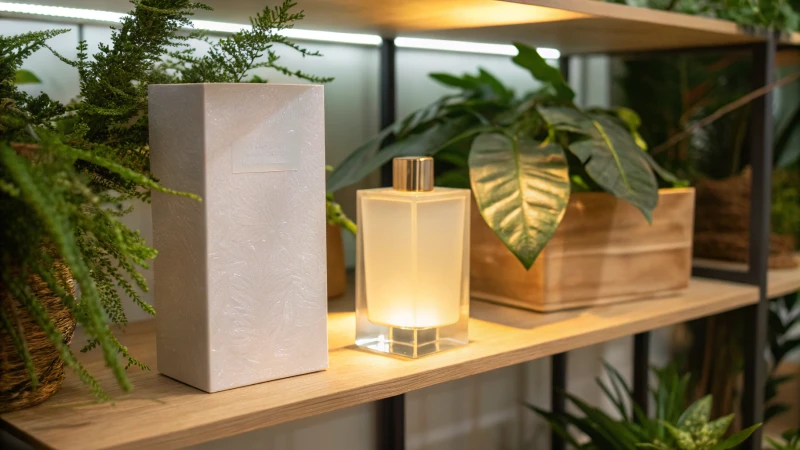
(278, 153)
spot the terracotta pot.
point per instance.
(721, 230)
(603, 252)
(16, 391)
(337, 273)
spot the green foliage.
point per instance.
(67, 174)
(791, 441)
(26, 77)
(776, 14)
(500, 164)
(673, 93)
(610, 155)
(51, 209)
(519, 154)
(784, 316)
(672, 428)
(785, 211)
(334, 215)
(231, 58)
(13, 51)
(110, 120)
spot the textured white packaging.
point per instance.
(240, 279)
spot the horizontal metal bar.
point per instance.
(733, 276)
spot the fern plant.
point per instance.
(231, 59)
(68, 174)
(51, 208)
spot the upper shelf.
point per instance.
(572, 26)
(163, 413)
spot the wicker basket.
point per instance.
(15, 383)
(723, 220)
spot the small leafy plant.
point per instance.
(521, 155)
(673, 427)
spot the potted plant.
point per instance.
(67, 175)
(523, 156)
(674, 427)
(63, 188)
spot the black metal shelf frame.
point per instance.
(391, 417)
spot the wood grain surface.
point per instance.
(163, 413)
(781, 281)
(603, 252)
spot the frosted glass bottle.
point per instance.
(412, 274)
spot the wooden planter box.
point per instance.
(603, 252)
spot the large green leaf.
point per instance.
(369, 157)
(498, 89)
(485, 85)
(454, 81)
(522, 189)
(528, 58)
(737, 438)
(610, 156)
(566, 118)
(23, 76)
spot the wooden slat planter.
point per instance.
(603, 252)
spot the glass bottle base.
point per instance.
(410, 342)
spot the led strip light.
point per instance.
(294, 33)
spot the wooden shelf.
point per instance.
(572, 26)
(781, 281)
(163, 413)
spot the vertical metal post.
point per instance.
(388, 96)
(760, 204)
(392, 410)
(392, 423)
(558, 371)
(641, 373)
(558, 401)
(563, 65)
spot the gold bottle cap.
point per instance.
(412, 174)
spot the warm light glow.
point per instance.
(294, 33)
(413, 256)
(469, 47)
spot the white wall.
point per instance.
(482, 412)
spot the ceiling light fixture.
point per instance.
(469, 47)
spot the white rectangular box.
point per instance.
(240, 279)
